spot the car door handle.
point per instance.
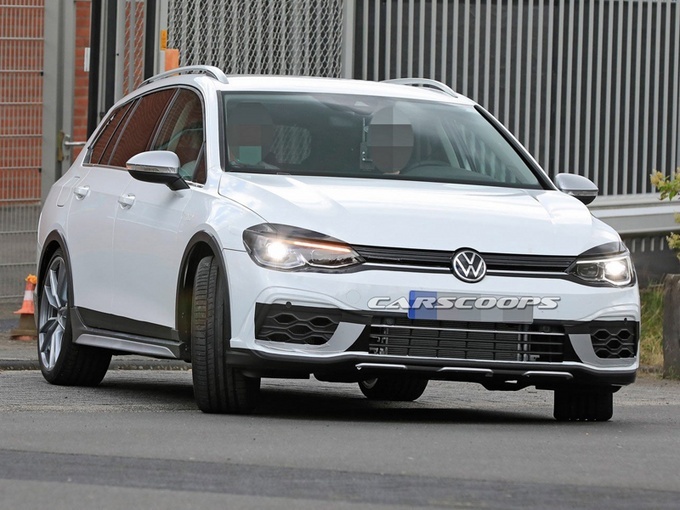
(126, 201)
(81, 191)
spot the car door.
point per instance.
(146, 250)
(92, 211)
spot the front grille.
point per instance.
(295, 324)
(467, 340)
(614, 339)
(495, 262)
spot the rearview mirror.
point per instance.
(157, 166)
(577, 186)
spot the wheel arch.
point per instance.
(53, 242)
(202, 244)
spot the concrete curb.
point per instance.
(23, 355)
(133, 364)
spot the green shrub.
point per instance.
(651, 342)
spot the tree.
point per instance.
(669, 188)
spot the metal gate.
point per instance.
(589, 87)
(21, 102)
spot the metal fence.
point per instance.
(587, 86)
(300, 37)
(133, 13)
(590, 87)
(21, 63)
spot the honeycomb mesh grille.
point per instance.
(295, 325)
(616, 340)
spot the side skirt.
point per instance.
(126, 336)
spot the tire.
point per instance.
(584, 404)
(399, 389)
(218, 387)
(61, 361)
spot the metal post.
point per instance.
(119, 73)
(347, 59)
(95, 48)
(107, 92)
(151, 38)
(58, 95)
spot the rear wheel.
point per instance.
(61, 361)
(404, 389)
(584, 404)
(218, 387)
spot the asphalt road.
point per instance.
(138, 441)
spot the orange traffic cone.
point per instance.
(26, 329)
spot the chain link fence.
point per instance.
(287, 37)
(133, 52)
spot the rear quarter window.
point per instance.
(130, 131)
(112, 123)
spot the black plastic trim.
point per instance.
(53, 237)
(505, 376)
(93, 319)
(185, 281)
(343, 368)
(442, 259)
(605, 250)
(592, 328)
(265, 312)
(80, 327)
(519, 149)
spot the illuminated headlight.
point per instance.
(291, 249)
(616, 270)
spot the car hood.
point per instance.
(422, 215)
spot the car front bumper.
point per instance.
(321, 323)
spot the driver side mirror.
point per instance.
(577, 186)
(157, 166)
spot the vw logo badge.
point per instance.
(468, 266)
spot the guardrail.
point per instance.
(637, 215)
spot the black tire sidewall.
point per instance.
(218, 387)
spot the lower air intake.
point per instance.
(295, 324)
(467, 340)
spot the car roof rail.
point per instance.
(211, 71)
(424, 82)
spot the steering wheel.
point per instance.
(424, 163)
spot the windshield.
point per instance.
(344, 135)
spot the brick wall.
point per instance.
(81, 83)
(21, 62)
(21, 93)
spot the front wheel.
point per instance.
(218, 387)
(61, 361)
(401, 388)
(584, 404)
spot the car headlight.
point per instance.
(614, 270)
(292, 249)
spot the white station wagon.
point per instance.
(386, 234)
